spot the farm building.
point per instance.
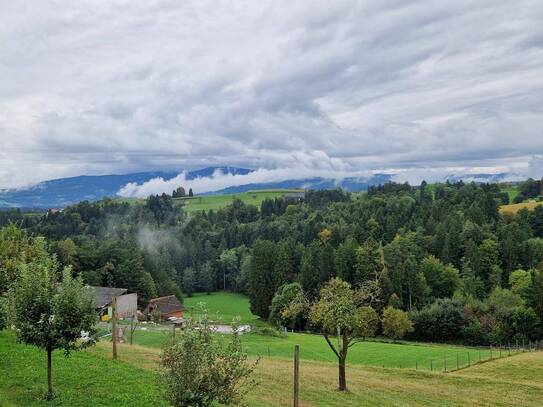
(165, 307)
(127, 304)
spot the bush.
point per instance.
(200, 369)
(396, 323)
(442, 320)
(474, 333)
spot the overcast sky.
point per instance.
(293, 87)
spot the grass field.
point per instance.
(223, 305)
(514, 208)
(313, 347)
(81, 380)
(214, 202)
(368, 353)
(512, 192)
(90, 378)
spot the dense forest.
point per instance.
(443, 252)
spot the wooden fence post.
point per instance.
(296, 375)
(457, 364)
(114, 326)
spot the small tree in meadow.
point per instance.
(200, 368)
(396, 323)
(343, 313)
(49, 313)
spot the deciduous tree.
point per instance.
(50, 313)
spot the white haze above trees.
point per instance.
(346, 87)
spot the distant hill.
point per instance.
(62, 192)
(350, 184)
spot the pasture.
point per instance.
(215, 202)
(421, 356)
(223, 306)
(90, 378)
(226, 306)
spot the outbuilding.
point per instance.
(164, 307)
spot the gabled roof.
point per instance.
(104, 295)
(166, 304)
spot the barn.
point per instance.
(127, 304)
(166, 307)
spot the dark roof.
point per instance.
(104, 295)
(166, 304)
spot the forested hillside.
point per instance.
(442, 252)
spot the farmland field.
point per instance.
(90, 378)
(514, 208)
(215, 202)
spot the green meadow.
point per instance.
(91, 378)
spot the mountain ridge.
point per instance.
(61, 192)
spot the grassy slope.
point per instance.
(314, 347)
(83, 379)
(223, 305)
(90, 378)
(214, 202)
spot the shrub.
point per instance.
(442, 320)
(396, 323)
(200, 369)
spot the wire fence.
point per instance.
(450, 361)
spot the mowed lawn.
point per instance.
(91, 378)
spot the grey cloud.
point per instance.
(343, 85)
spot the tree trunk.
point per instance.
(49, 375)
(342, 362)
(342, 377)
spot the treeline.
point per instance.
(530, 189)
(442, 252)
